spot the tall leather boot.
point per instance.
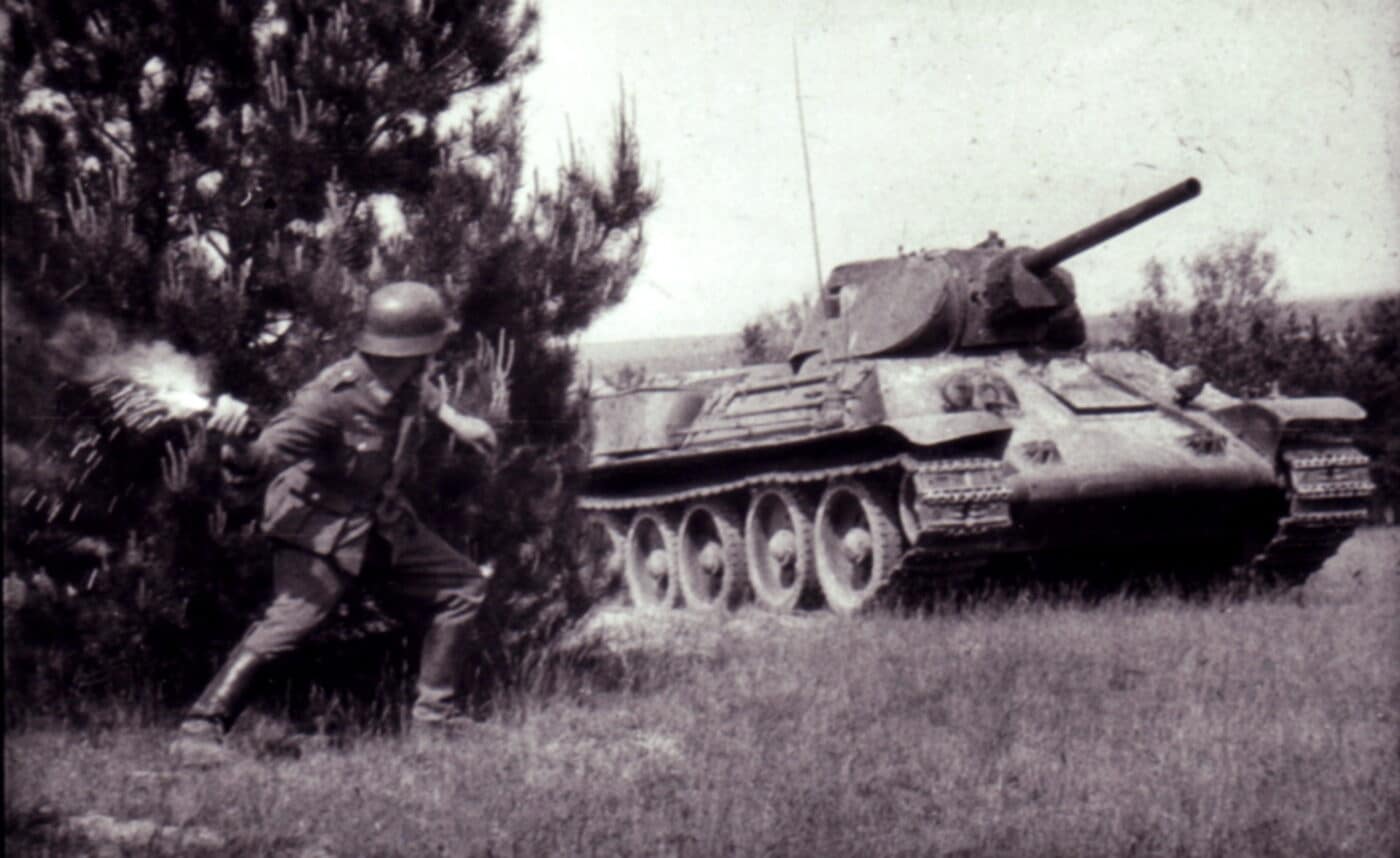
(439, 700)
(202, 732)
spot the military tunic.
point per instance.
(333, 509)
(334, 451)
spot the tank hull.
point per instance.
(980, 457)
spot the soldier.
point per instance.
(333, 509)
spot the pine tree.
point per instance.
(235, 178)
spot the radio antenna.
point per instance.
(807, 169)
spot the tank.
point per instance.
(940, 417)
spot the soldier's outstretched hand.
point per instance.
(230, 417)
(472, 431)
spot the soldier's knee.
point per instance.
(273, 640)
(285, 624)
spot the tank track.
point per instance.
(967, 499)
(808, 476)
(1328, 492)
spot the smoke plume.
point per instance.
(147, 381)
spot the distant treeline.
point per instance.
(1332, 316)
(770, 334)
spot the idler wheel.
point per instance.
(778, 547)
(857, 545)
(650, 562)
(710, 557)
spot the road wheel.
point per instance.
(857, 545)
(778, 546)
(710, 557)
(650, 562)
(603, 552)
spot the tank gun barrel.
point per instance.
(1041, 261)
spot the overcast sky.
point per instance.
(930, 123)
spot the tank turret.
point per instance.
(975, 298)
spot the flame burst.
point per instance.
(151, 383)
(141, 390)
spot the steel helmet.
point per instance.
(404, 319)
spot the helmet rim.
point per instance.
(380, 345)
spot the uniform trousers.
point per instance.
(414, 575)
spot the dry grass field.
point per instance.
(1150, 727)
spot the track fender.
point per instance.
(930, 429)
(1261, 423)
